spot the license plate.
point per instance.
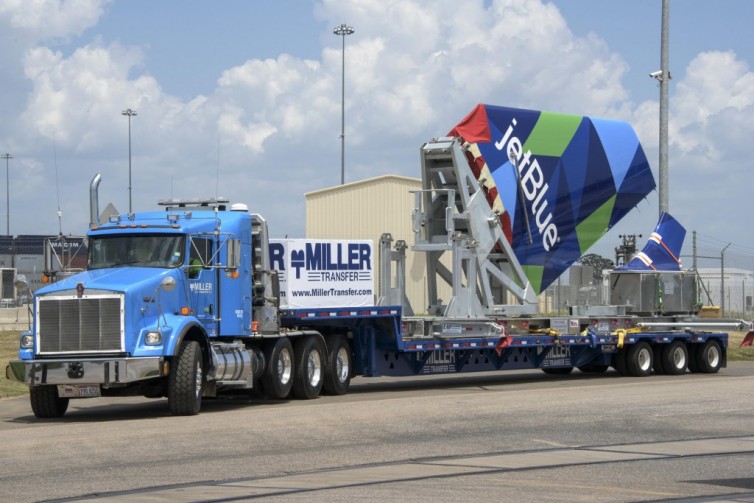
(78, 390)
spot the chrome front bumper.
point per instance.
(104, 371)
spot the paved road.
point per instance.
(521, 436)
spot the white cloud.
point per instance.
(270, 130)
(51, 19)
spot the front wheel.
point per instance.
(185, 380)
(309, 367)
(45, 402)
(337, 367)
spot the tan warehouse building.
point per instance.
(365, 210)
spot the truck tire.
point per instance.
(657, 362)
(709, 357)
(338, 365)
(185, 380)
(45, 402)
(619, 361)
(277, 377)
(674, 358)
(639, 359)
(309, 357)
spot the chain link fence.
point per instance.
(28, 262)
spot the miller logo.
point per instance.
(332, 257)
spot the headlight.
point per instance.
(27, 341)
(153, 338)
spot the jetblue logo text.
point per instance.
(533, 185)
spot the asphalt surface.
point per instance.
(522, 436)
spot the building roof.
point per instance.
(367, 181)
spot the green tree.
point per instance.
(598, 262)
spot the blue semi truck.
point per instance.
(182, 302)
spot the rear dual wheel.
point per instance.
(277, 378)
(338, 367)
(309, 357)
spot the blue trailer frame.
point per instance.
(380, 348)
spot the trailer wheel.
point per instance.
(657, 360)
(619, 361)
(639, 359)
(675, 358)
(309, 371)
(277, 378)
(709, 357)
(185, 380)
(338, 367)
(45, 402)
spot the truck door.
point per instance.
(202, 281)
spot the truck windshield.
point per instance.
(136, 250)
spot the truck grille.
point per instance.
(92, 324)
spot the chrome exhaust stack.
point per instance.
(94, 201)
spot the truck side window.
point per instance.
(200, 255)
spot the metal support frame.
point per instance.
(452, 215)
(393, 287)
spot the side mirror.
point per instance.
(234, 254)
(167, 283)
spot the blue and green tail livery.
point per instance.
(559, 182)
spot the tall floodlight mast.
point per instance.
(342, 31)
(129, 113)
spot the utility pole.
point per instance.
(7, 157)
(722, 280)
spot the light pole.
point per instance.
(7, 157)
(663, 77)
(130, 113)
(343, 30)
(722, 280)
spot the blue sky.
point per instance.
(250, 90)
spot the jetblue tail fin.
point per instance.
(663, 249)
